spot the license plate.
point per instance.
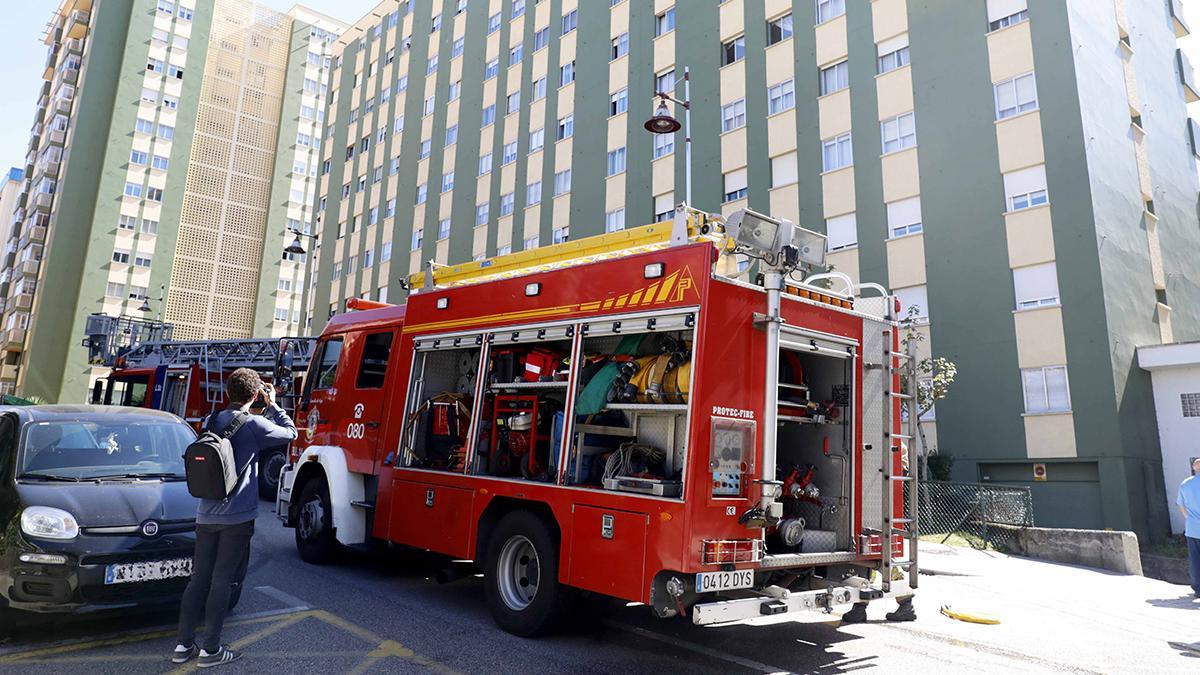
(124, 573)
(707, 582)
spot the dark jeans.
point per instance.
(1194, 562)
(222, 553)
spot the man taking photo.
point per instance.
(1189, 505)
(224, 526)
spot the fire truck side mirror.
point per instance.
(98, 392)
(284, 361)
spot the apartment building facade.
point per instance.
(164, 170)
(1024, 176)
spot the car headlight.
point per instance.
(48, 523)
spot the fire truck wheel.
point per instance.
(522, 586)
(314, 524)
(268, 473)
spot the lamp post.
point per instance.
(664, 123)
(297, 248)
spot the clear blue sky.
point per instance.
(22, 57)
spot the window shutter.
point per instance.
(783, 170)
(1034, 382)
(998, 9)
(1025, 181)
(842, 231)
(893, 44)
(663, 203)
(1035, 282)
(904, 212)
(735, 180)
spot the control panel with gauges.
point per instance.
(731, 456)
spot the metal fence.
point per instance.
(983, 514)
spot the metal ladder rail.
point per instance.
(892, 526)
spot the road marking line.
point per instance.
(241, 643)
(699, 649)
(384, 648)
(281, 596)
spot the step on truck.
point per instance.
(673, 415)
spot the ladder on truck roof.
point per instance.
(257, 353)
(688, 225)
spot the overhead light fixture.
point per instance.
(754, 231)
(295, 247)
(662, 122)
(145, 306)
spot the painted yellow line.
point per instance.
(384, 648)
(252, 638)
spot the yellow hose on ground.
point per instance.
(970, 617)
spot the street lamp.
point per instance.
(664, 123)
(297, 248)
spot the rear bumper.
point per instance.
(786, 602)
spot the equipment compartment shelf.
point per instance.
(524, 386)
(672, 408)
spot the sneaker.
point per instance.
(219, 658)
(184, 654)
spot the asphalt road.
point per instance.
(385, 613)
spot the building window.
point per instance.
(560, 235)
(531, 242)
(426, 148)
(373, 215)
(533, 193)
(541, 38)
(481, 214)
(115, 290)
(614, 221)
(830, 9)
(665, 82)
(539, 89)
(508, 202)
(489, 115)
(537, 138)
(1036, 286)
(133, 190)
(837, 153)
(733, 51)
(1025, 188)
(443, 229)
(457, 48)
(570, 21)
(664, 207)
(493, 23)
(566, 127)
(841, 232)
(916, 300)
(898, 133)
(385, 252)
(485, 164)
(504, 250)
(174, 71)
(513, 102)
(491, 69)
(665, 22)
(417, 238)
(835, 77)
(142, 126)
(518, 8)
(781, 97)
(618, 102)
(562, 182)
(784, 170)
(141, 261)
(616, 161)
(138, 157)
(664, 144)
(422, 193)
(733, 115)
(1046, 389)
(904, 217)
(454, 90)
(620, 47)
(510, 153)
(126, 222)
(735, 186)
(516, 54)
(120, 256)
(779, 29)
(1015, 96)
(389, 209)
(436, 24)
(1189, 403)
(159, 163)
(1005, 13)
(893, 53)
(451, 134)
(566, 74)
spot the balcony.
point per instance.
(1181, 27)
(55, 137)
(8, 373)
(35, 234)
(74, 46)
(62, 106)
(23, 302)
(70, 75)
(1187, 77)
(13, 338)
(29, 268)
(18, 215)
(42, 201)
(76, 26)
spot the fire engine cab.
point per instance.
(631, 415)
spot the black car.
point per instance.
(94, 508)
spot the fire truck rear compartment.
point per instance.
(814, 441)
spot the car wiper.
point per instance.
(163, 475)
(49, 477)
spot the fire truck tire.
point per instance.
(521, 578)
(315, 539)
(268, 473)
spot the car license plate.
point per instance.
(124, 573)
(707, 582)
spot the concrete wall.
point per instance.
(1174, 370)
(1103, 549)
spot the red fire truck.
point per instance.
(187, 378)
(627, 415)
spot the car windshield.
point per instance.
(88, 449)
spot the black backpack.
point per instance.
(210, 464)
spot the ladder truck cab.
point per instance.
(187, 379)
(629, 414)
